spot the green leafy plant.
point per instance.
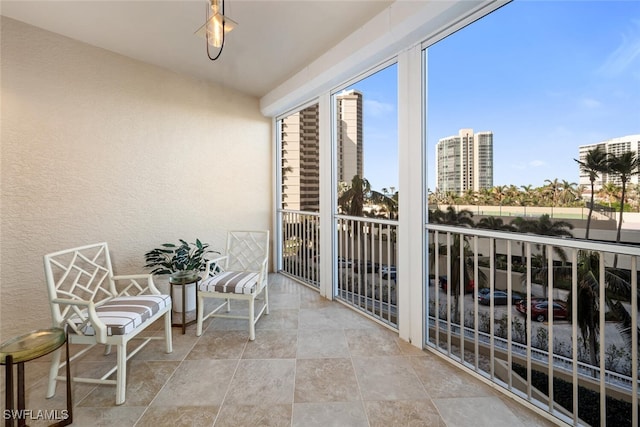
(171, 258)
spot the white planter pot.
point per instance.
(190, 295)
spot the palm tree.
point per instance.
(462, 218)
(452, 217)
(493, 223)
(616, 282)
(553, 188)
(352, 199)
(609, 191)
(388, 201)
(569, 193)
(595, 162)
(625, 165)
(545, 227)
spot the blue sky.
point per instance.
(544, 76)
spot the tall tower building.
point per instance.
(349, 132)
(465, 162)
(300, 161)
(614, 146)
(301, 151)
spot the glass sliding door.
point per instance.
(299, 208)
(366, 167)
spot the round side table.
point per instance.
(23, 349)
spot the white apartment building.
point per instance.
(615, 146)
(464, 162)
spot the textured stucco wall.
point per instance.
(99, 147)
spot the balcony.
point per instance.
(587, 346)
(314, 362)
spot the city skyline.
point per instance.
(543, 90)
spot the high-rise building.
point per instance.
(464, 162)
(300, 160)
(300, 151)
(615, 146)
(349, 132)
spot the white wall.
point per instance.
(99, 147)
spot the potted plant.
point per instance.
(182, 263)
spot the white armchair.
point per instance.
(241, 274)
(85, 301)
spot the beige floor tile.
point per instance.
(197, 383)
(144, 381)
(388, 378)
(322, 318)
(233, 415)
(443, 380)
(284, 301)
(477, 412)
(178, 416)
(114, 416)
(409, 413)
(214, 344)
(372, 342)
(326, 380)
(270, 344)
(279, 319)
(182, 345)
(332, 414)
(322, 343)
(268, 381)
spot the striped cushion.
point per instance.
(122, 315)
(231, 282)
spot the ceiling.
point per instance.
(274, 39)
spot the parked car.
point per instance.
(499, 297)
(540, 309)
(370, 268)
(467, 289)
(388, 271)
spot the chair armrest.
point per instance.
(139, 284)
(82, 309)
(215, 265)
(263, 270)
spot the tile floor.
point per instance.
(313, 363)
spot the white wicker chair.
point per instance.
(240, 274)
(85, 301)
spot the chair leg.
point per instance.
(266, 298)
(252, 324)
(228, 305)
(167, 332)
(53, 373)
(107, 349)
(199, 315)
(121, 373)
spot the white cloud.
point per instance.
(537, 163)
(626, 54)
(590, 103)
(377, 108)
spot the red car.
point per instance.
(540, 309)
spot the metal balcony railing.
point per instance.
(367, 259)
(301, 246)
(554, 362)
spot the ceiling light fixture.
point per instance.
(216, 27)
